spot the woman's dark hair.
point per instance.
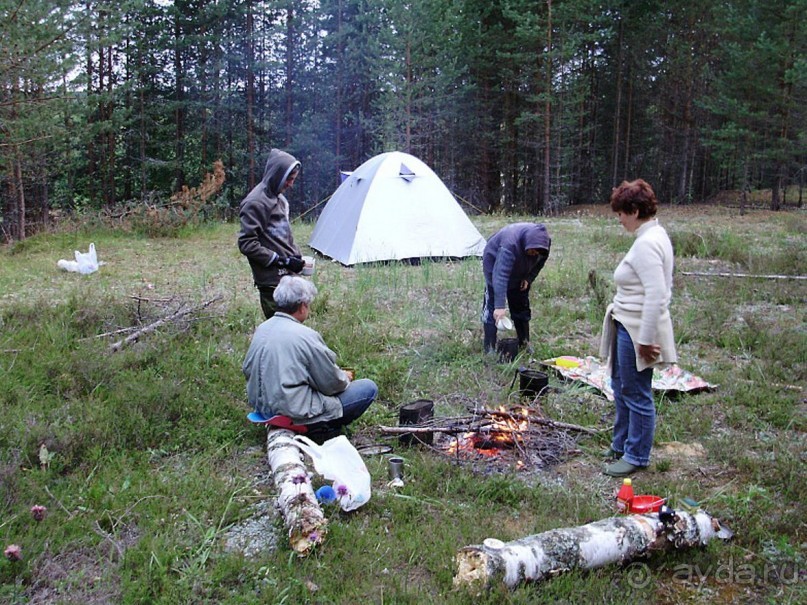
(631, 196)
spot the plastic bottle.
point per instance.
(624, 496)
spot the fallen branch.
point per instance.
(116, 346)
(418, 429)
(302, 515)
(612, 540)
(751, 275)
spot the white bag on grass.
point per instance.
(85, 263)
(338, 461)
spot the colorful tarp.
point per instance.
(591, 371)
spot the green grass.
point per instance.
(150, 461)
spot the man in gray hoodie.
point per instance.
(265, 237)
(512, 259)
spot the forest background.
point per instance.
(518, 105)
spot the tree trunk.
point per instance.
(545, 205)
(18, 188)
(179, 115)
(628, 125)
(302, 515)
(613, 540)
(250, 94)
(617, 106)
(743, 192)
(291, 37)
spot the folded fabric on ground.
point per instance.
(591, 371)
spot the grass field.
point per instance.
(157, 489)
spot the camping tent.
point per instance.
(394, 207)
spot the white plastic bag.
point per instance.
(338, 461)
(85, 263)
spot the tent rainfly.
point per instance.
(394, 207)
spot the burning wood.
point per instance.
(613, 540)
(490, 432)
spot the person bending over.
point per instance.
(512, 259)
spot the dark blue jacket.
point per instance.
(505, 262)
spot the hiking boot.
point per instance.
(622, 468)
(489, 343)
(612, 454)
(523, 334)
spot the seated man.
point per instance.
(291, 371)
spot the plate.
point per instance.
(374, 450)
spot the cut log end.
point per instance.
(310, 534)
(473, 569)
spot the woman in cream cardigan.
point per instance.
(637, 330)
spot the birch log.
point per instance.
(302, 515)
(613, 540)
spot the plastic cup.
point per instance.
(308, 268)
(504, 323)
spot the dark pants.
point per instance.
(268, 304)
(518, 301)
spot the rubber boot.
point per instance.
(523, 333)
(490, 338)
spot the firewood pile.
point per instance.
(519, 435)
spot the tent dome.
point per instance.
(394, 207)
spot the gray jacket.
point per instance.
(291, 371)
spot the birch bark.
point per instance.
(304, 520)
(613, 540)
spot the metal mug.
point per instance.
(396, 468)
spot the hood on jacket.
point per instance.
(279, 165)
(536, 236)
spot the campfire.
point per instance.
(520, 436)
(505, 431)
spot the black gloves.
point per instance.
(294, 264)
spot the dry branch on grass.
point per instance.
(177, 315)
(302, 515)
(748, 275)
(612, 540)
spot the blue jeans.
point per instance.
(635, 421)
(356, 398)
